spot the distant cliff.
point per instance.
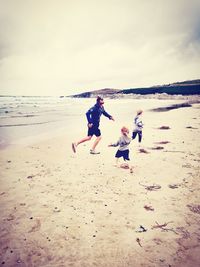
(179, 88)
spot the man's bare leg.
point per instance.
(96, 142)
(88, 138)
(74, 145)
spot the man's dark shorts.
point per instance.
(94, 131)
(124, 154)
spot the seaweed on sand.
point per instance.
(153, 187)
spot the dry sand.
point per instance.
(65, 209)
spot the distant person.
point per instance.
(93, 117)
(123, 150)
(138, 126)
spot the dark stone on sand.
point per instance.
(31, 218)
(9, 161)
(149, 208)
(142, 150)
(164, 127)
(173, 186)
(157, 148)
(191, 127)
(141, 229)
(30, 177)
(162, 142)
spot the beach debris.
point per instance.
(131, 170)
(124, 166)
(175, 151)
(149, 208)
(164, 127)
(30, 177)
(191, 127)
(10, 217)
(35, 227)
(153, 187)
(163, 227)
(185, 234)
(187, 165)
(162, 142)
(158, 241)
(56, 209)
(9, 161)
(142, 150)
(173, 186)
(174, 106)
(139, 242)
(157, 148)
(194, 208)
(141, 229)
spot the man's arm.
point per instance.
(88, 115)
(106, 114)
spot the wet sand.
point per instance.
(64, 209)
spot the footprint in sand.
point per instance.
(36, 226)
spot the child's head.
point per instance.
(124, 130)
(139, 112)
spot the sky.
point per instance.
(63, 47)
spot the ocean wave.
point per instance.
(24, 124)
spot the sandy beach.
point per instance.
(63, 209)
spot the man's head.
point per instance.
(100, 100)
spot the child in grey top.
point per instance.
(138, 126)
(123, 150)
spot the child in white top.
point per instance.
(138, 126)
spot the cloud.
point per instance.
(63, 47)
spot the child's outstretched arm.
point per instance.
(114, 144)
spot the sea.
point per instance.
(24, 119)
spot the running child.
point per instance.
(123, 150)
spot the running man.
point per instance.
(93, 117)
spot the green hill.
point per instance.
(191, 87)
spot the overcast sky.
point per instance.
(61, 47)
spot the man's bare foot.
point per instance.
(74, 147)
(94, 152)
